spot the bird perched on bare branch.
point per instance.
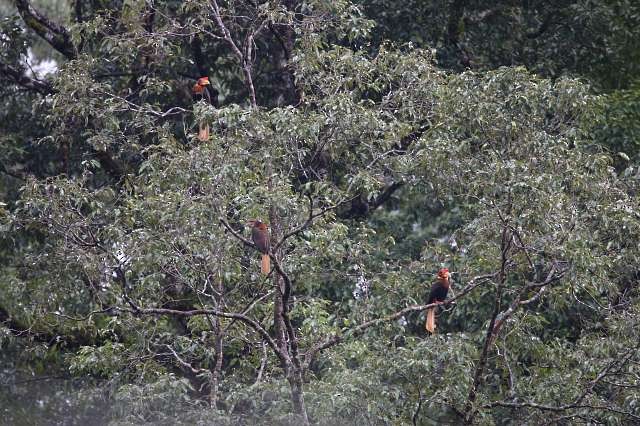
(438, 294)
(262, 240)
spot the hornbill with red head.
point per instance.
(438, 294)
(200, 91)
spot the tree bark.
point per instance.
(297, 395)
(283, 329)
(55, 34)
(505, 246)
(217, 346)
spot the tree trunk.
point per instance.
(291, 363)
(297, 396)
(217, 369)
(278, 304)
(217, 328)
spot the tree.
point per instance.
(136, 261)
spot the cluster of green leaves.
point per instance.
(617, 126)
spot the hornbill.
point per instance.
(438, 294)
(261, 238)
(200, 91)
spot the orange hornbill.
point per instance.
(200, 90)
(438, 294)
(262, 240)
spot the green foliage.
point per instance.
(618, 125)
(123, 259)
(595, 39)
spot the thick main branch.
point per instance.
(55, 34)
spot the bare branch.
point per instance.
(244, 55)
(145, 110)
(286, 293)
(338, 338)
(186, 364)
(276, 264)
(55, 34)
(522, 246)
(225, 30)
(552, 276)
(360, 208)
(136, 310)
(263, 364)
(306, 223)
(516, 405)
(238, 236)
(250, 307)
(507, 239)
(109, 310)
(18, 176)
(21, 79)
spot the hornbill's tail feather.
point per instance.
(203, 132)
(266, 264)
(430, 325)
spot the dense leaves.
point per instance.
(597, 39)
(128, 270)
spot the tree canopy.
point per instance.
(380, 141)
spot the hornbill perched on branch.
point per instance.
(438, 294)
(200, 92)
(261, 238)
